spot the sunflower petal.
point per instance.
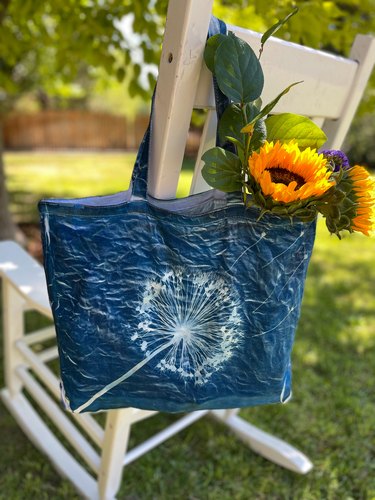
(306, 170)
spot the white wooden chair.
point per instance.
(332, 89)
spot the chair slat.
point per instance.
(327, 79)
(330, 93)
(180, 65)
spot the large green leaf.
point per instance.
(238, 71)
(222, 170)
(288, 126)
(209, 52)
(267, 109)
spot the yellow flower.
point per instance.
(287, 174)
(363, 194)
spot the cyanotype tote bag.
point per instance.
(172, 305)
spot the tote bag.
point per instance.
(176, 305)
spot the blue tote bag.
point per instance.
(174, 305)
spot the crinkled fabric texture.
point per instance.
(173, 311)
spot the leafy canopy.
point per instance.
(51, 44)
(44, 43)
(58, 42)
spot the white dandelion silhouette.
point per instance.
(192, 318)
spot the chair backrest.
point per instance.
(331, 91)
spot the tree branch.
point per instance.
(4, 4)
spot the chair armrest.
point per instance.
(26, 275)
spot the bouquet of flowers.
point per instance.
(274, 160)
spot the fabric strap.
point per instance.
(139, 177)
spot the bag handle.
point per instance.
(139, 176)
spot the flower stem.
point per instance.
(246, 153)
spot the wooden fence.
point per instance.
(72, 129)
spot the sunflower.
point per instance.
(363, 195)
(350, 205)
(287, 174)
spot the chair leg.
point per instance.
(270, 447)
(48, 443)
(116, 438)
(13, 310)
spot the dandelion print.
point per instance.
(190, 320)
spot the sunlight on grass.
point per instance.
(341, 283)
(69, 175)
(75, 174)
(32, 176)
(331, 417)
(184, 183)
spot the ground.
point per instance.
(331, 417)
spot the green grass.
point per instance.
(331, 417)
(31, 176)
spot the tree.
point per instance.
(44, 45)
(320, 24)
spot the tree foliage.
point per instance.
(51, 44)
(57, 47)
(320, 24)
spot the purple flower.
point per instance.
(336, 158)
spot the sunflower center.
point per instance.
(281, 175)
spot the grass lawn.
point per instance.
(331, 417)
(31, 176)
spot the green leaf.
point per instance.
(238, 72)
(288, 126)
(267, 109)
(120, 74)
(233, 120)
(209, 52)
(222, 170)
(259, 135)
(236, 142)
(277, 26)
